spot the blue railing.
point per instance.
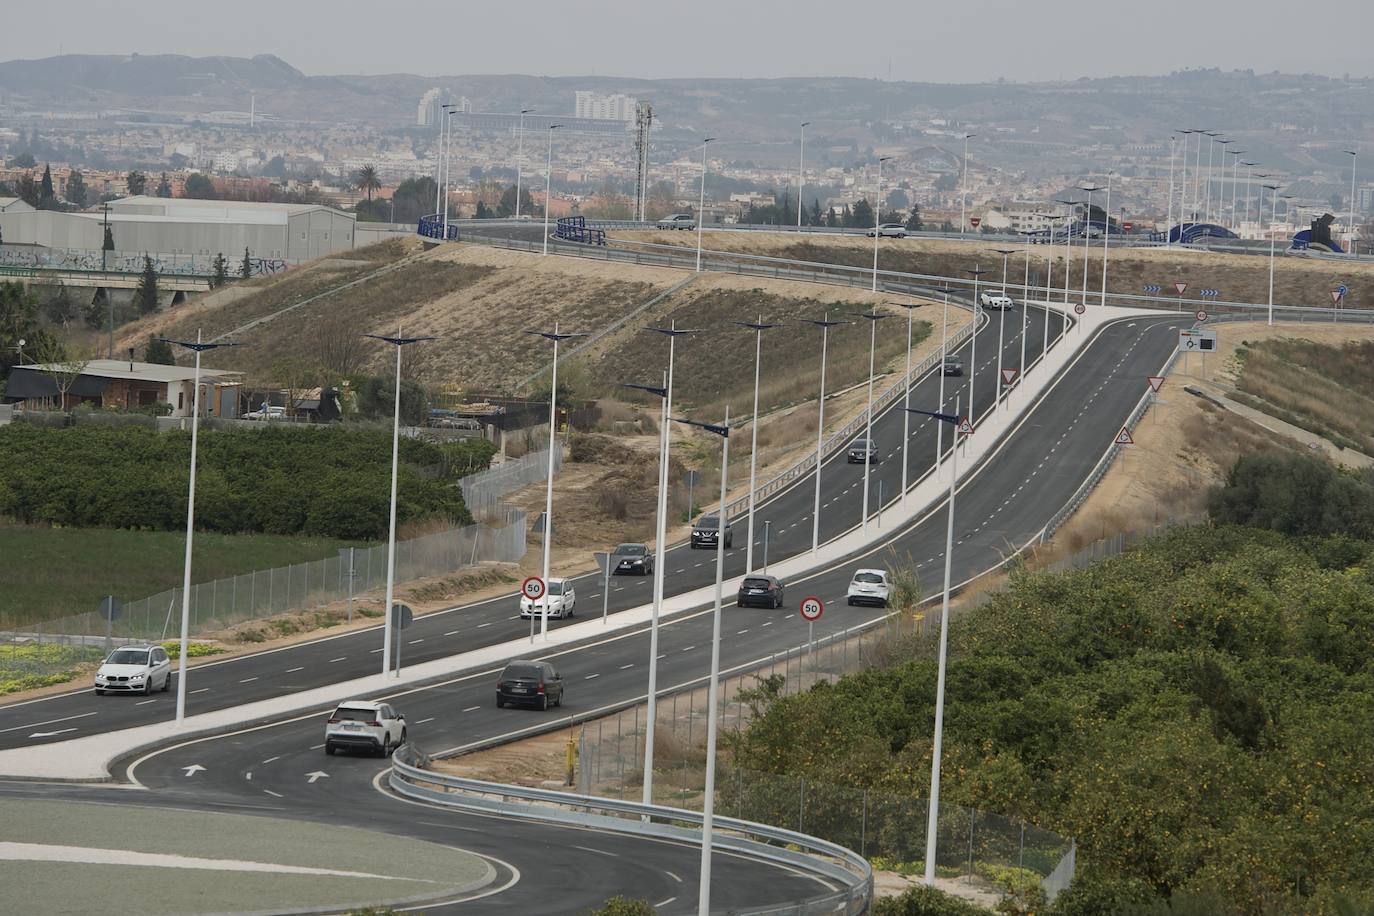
(574, 229)
(432, 227)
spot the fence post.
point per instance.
(863, 827)
(972, 816)
(801, 805)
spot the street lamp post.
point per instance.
(713, 690)
(825, 324)
(1183, 183)
(873, 319)
(1087, 235)
(877, 219)
(801, 171)
(1249, 180)
(198, 346)
(963, 190)
(443, 189)
(548, 191)
(1049, 278)
(1169, 208)
(398, 342)
(1274, 196)
(701, 199)
(1001, 326)
(932, 818)
(1235, 180)
(758, 328)
(672, 332)
(519, 163)
(1106, 236)
(1354, 158)
(109, 300)
(1068, 247)
(944, 354)
(911, 307)
(973, 352)
(557, 338)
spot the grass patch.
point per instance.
(1327, 390)
(30, 666)
(53, 572)
(193, 649)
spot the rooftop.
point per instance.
(146, 372)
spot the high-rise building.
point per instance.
(604, 107)
(428, 112)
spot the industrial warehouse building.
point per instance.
(180, 226)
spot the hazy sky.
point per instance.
(948, 41)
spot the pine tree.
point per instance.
(863, 214)
(164, 187)
(846, 217)
(135, 181)
(48, 192)
(76, 189)
(246, 269)
(913, 222)
(220, 275)
(816, 212)
(108, 244)
(158, 352)
(146, 297)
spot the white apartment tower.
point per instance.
(604, 107)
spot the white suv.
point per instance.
(561, 598)
(996, 301)
(365, 725)
(134, 669)
(869, 586)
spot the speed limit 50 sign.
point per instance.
(812, 608)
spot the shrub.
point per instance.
(925, 901)
(623, 906)
(1293, 493)
(193, 649)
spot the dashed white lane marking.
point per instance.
(423, 721)
(600, 852)
(630, 665)
(248, 776)
(201, 690)
(455, 632)
(274, 794)
(144, 702)
(373, 651)
(662, 903)
(316, 747)
(664, 655)
(480, 625)
(414, 641)
(741, 632)
(339, 659)
(591, 676)
(767, 623)
(674, 877)
(689, 649)
(472, 708)
(248, 679)
(270, 759)
(294, 670)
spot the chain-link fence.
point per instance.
(483, 491)
(990, 851)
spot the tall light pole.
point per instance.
(1087, 235)
(198, 346)
(109, 300)
(1207, 192)
(1274, 195)
(873, 319)
(557, 338)
(1001, 327)
(1068, 247)
(398, 342)
(825, 324)
(548, 190)
(932, 818)
(701, 199)
(1169, 209)
(877, 220)
(1049, 277)
(1249, 172)
(443, 190)
(1106, 236)
(1197, 172)
(519, 163)
(1183, 183)
(1235, 180)
(758, 328)
(713, 691)
(801, 170)
(1221, 191)
(944, 354)
(973, 352)
(911, 307)
(963, 192)
(1354, 158)
(439, 158)
(672, 332)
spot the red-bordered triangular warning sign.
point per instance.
(1124, 437)
(1156, 382)
(1180, 287)
(1009, 375)
(965, 426)
(1336, 297)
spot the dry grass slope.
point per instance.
(1328, 390)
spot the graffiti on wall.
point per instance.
(84, 259)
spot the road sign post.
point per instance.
(766, 525)
(1180, 288)
(111, 608)
(1155, 382)
(401, 617)
(1079, 309)
(1200, 315)
(604, 561)
(691, 477)
(532, 588)
(811, 609)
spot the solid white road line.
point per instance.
(45, 722)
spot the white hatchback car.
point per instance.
(869, 586)
(134, 669)
(561, 599)
(365, 725)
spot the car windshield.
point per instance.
(555, 587)
(707, 521)
(128, 657)
(521, 671)
(757, 583)
(862, 443)
(631, 550)
(355, 714)
(868, 578)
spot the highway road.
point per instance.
(243, 679)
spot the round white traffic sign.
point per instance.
(812, 608)
(532, 588)
(1079, 309)
(1200, 315)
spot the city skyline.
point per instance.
(978, 41)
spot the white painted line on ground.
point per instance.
(270, 759)
(630, 665)
(471, 708)
(480, 625)
(590, 676)
(600, 852)
(339, 659)
(201, 690)
(674, 877)
(46, 722)
(414, 641)
(294, 670)
(423, 721)
(662, 903)
(316, 747)
(274, 794)
(451, 633)
(249, 679)
(144, 702)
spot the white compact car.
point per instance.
(561, 598)
(996, 301)
(365, 725)
(134, 669)
(869, 586)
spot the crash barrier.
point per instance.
(574, 229)
(830, 863)
(434, 227)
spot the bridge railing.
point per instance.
(575, 229)
(434, 227)
(831, 863)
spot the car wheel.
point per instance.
(544, 701)
(148, 687)
(329, 749)
(167, 684)
(99, 692)
(849, 601)
(777, 603)
(500, 703)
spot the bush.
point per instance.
(623, 906)
(925, 901)
(1294, 493)
(193, 649)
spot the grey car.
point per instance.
(863, 450)
(678, 221)
(952, 365)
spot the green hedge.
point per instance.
(328, 481)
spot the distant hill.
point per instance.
(149, 75)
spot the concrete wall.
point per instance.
(316, 233)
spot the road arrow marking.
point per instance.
(60, 731)
(193, 769)
(318, 774)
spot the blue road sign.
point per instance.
(1152, 288)
(1342, 289)
(1209, 293)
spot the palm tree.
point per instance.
(365, 179)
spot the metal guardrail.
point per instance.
(828, 861)
(575, 229)
(434, 227)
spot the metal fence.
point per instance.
(974, 846)
(482, 492)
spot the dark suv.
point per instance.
(952, 365)
(632, 560)
(760, 591)
(704, 532)
(527, 683)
